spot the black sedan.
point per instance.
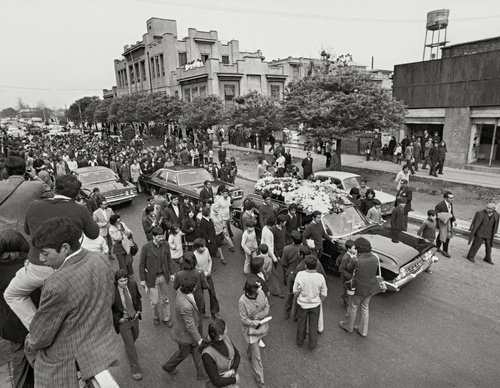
(400, 263)
(186, 181)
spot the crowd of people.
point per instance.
(69, 246)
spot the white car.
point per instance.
(346, 181)
(16, 132)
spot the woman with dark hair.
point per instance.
(189, 228)
(220, 357)
(120, 237)
(367, 202)
(127, 309)
(253, 307)
(190, 272)
(13, 251)
(365, 282)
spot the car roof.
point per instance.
(336, 174)
(82, 170)
(181, 168)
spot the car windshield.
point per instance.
(96, 176)
(193, 177)
(345, 223)
(354, 181)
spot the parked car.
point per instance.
(400, 263)
(346, 181)
(186, 181)
(16, 132)
(110, 185)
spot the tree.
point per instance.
(126, 111)
(261, 114)
(203, 112)
(89, 113)
(8, 113)
(168, 109)
(340, 103)
(76, 110)
(101, 112)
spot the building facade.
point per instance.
(457, 96)
(197, 65)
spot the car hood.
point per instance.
(385, 197)
(109, 186)
(393, 255)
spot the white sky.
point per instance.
(57, 51)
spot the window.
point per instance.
(152, 68)
(162, 65)
(137, 72)
(131, 72)
(194, 92)
(182, 59)
(295, 72)
(157, 61)
(143, 70)
(187, 94)
(229, 94)
(176, 93)
(225, 59)
(204, 57)
(172, 178)
(203, 91)
(275, 91)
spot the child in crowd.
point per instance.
(375, 212)
(428, 229)
(269, 271)
(398, 153)
(175, 244)
(249, 245)
(367, 151)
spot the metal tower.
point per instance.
(436, 21)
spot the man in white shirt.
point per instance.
(224, 201)
(310, 288)
(101, 216)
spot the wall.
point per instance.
(471, 80)
(456, 134)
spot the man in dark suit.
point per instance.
(156, 270)
(266, 210)
(206, 194)
(149, 222)
(307, 165)
(174, 212)
(222, 154)
(483, 228)
(399, 221)
(71, 329)
(206, 230)
(406, 193)
(445, 206)
(127, 309)
(185, 332)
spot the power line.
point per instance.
(256, 11)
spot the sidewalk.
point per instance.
(454, 175)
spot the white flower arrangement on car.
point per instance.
(309, 196)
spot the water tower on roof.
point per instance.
(437, 23)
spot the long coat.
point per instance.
(478, 219)
(74, 323)
(365, 274)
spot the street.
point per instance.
(442, 330)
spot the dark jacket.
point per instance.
(186, 319)
(399, 220)
(441, 207)
(365, 275)
(117, 306)
(207, 195)
(154, 261)
(478, 219)
(406, 193)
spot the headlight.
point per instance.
(403, 272)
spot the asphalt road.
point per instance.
(442, 330)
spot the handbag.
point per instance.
(133, 247)
(262, 330)
(381, 282)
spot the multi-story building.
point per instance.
(197, 65)
(457, 96)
